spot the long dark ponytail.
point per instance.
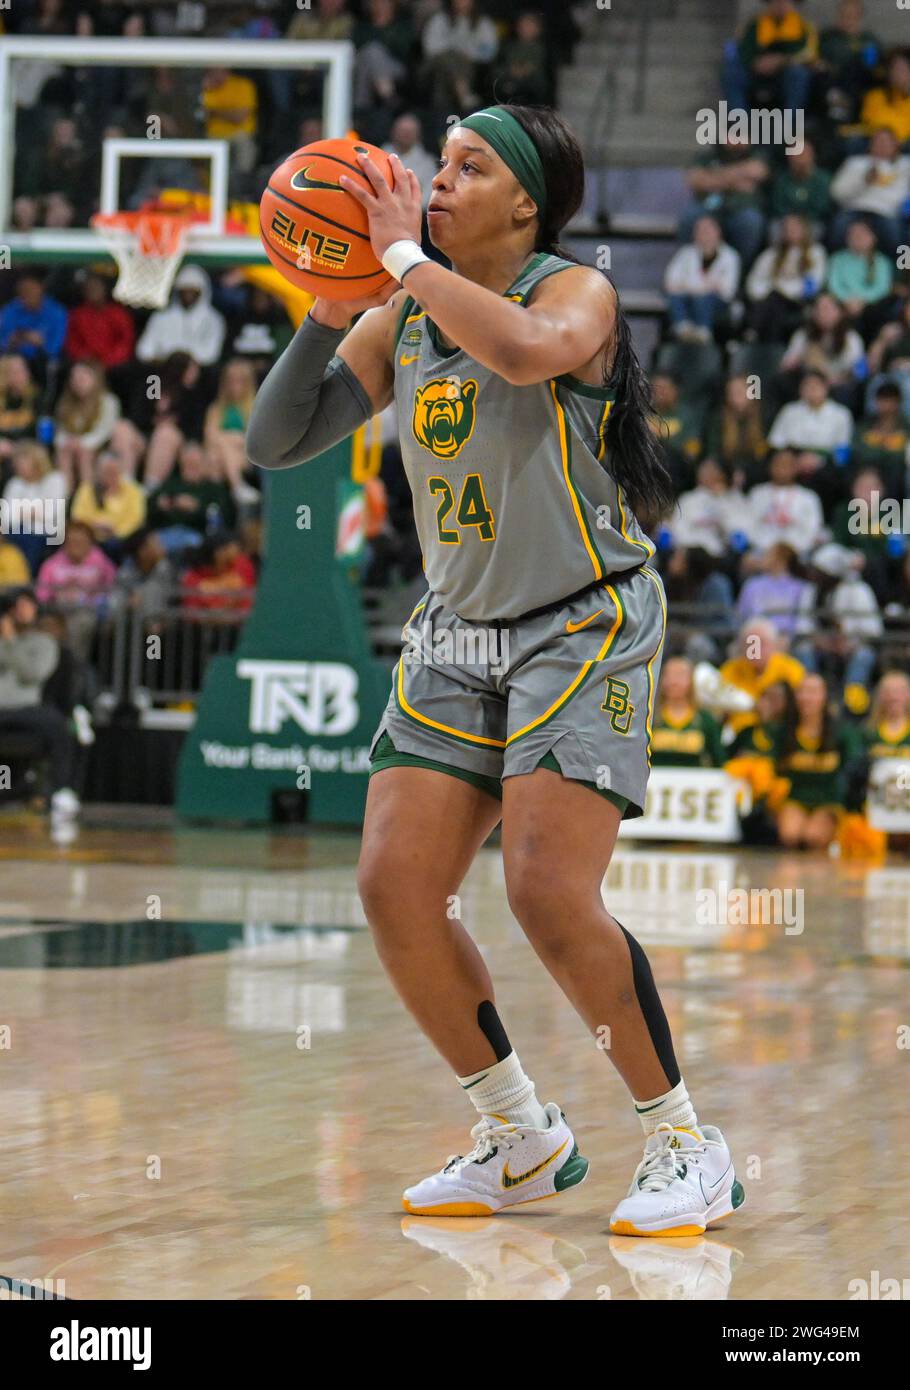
(636, 454)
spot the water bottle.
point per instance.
(810, 287)
(739, 542)
(842, 455)
(861, 369)
(44, 430)
(896, 546)
(664, 538)
(870, 54)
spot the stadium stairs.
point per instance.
(640, 73)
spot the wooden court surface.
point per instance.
(227, 1101)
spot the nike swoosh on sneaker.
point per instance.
(712, 1185)
(509, 1181)
(576, 627)
(405, 361)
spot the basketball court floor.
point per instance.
(210, 1091)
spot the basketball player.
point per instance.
(525, 690)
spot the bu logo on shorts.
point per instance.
(616, 703)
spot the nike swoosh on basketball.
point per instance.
(405, 360)
(302, 180)
(576, 627)
(509, 1181)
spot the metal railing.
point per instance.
(158, 656)
(145, 655)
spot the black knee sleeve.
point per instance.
(652, 1009)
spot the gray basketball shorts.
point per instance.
(576, 683)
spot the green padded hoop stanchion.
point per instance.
(295, 705)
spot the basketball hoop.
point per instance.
(148, 247)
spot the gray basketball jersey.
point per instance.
(514, 502)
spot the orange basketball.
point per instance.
(314, 232)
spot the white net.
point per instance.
(148, 249)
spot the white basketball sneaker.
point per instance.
(508, 1164)
(684, 1182)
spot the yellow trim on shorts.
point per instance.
(649, 721)
(596, 561)
(567, 694)
(412, 318)
(423, 718)
(434, 724)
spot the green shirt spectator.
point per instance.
(852, 277)
(788, 36)
(807, 195)
(820, 776)
(397, 35)
(179, 502)
(729, 178)
(678, 425)
(692, 741)
(840, 50)
(881, 442)
(755, 741)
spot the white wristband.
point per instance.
(401, 257)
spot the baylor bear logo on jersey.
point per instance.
(616, 704)
(443, 419)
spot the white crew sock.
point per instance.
(503, 1091)
(674, 1108)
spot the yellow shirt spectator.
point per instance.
(886, 108)
(230, 104)
(14, 569)
(120, 513)
(744, 674)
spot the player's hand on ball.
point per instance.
(336, 313)
(394, 213)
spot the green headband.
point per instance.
(515, 148)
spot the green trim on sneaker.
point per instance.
(572, 1171)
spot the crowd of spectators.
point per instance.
(781, 387)
(425, 59)
(782, 381)
(122, 432)
(123, 478)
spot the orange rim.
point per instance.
(160, 233)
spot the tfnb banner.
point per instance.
(295, 706)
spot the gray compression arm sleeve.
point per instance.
(307, 402)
